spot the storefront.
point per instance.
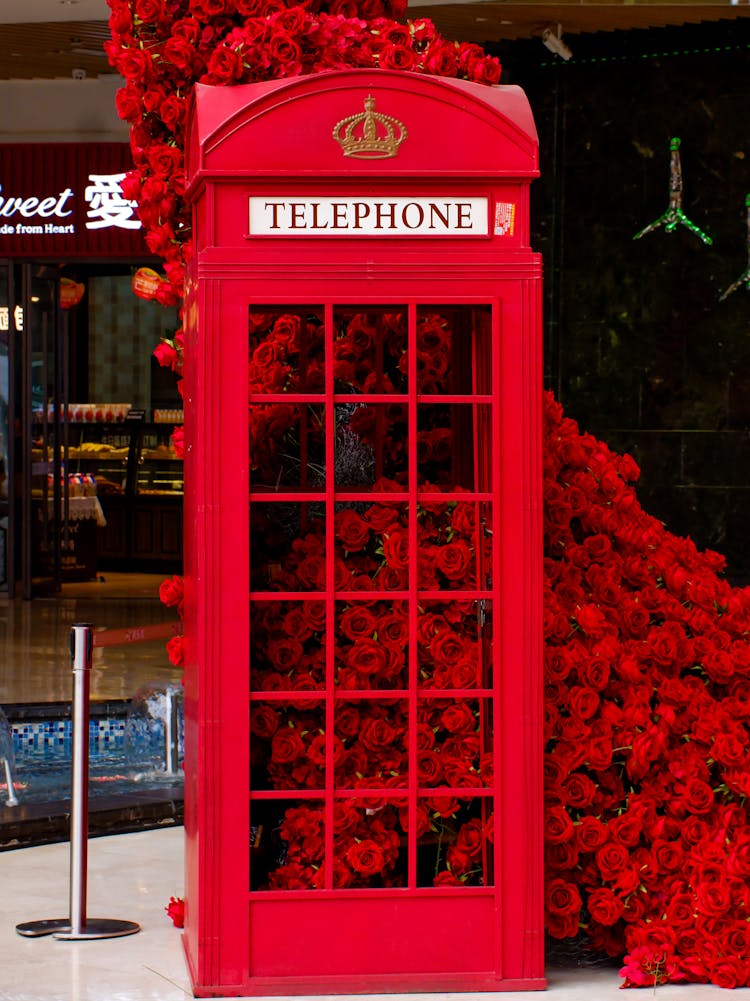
(86, 415)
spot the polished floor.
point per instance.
(35, 640)
(132, 876)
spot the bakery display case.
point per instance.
(139, 484)
(159, 469)
(156, 505)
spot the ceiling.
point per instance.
(51, 39)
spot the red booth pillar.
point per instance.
(363, 556)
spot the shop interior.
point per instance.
(93, 484)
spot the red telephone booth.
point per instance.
(363, 525)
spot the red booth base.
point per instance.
(374, 947)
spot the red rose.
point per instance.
(443, 806)
(558, 826)
(176, 911)
(377, 734)
(698, 796)
(129, 104)
(286, 746)
(176, 650)
(367, 657)
(590, 834)
(224, 66)
(397, 57)
(729, 972)
(459, 861)
(358, 622)
(396, 549)
(381, 517)
(393, 629)
(315, 615)
(440, 59)
(453, 560)
(172, 592)
(458, 718)
(366, 857)
(583, 701)
(612, 859)
(135, 64)
(470, 837)
(352, 530)
(180, 52)
(604, 906)
(285, 654)
(448, 648)
(264, 721)
(562, 898)
(447, 878)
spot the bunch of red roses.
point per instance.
(647, 669)
(163, 47)
(647, 714)
(369, 748)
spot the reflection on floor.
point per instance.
(35, 640)
(132, 876)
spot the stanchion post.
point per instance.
(171, 733)
(77, 925)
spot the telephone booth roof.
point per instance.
(285, 128)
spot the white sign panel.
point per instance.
(368, 216)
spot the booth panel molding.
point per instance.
(498, 136)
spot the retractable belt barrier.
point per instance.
(78, 926)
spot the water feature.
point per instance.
(133, 746)
(7, 762)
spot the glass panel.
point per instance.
(286, 349)
(455, 545)
(455, 841)
(454, 446)
(287, 646)
(369, 843)
(372, 546)
(287, 446)
(287, 844)
(373, 753)
(369, 350)
(454, 349)
(455, 742)
(371, 446)
(288, 546)
(287, 745)
(454, 644)
(371, 644)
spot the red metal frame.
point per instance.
(243, 941)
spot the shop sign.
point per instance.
(146, 282)
(368, 216)
(65, 198)
(71, 293)
(5, 318)
(105, 206)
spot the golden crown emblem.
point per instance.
(369, 135)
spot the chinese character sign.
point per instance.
(107, 206)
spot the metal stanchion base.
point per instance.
(93, 928)
(37, 929)
(99, 928)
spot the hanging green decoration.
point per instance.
(674, 216)
(744, 278)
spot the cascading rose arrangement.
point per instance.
(647, 698)
(163, 47)
(647, 709)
